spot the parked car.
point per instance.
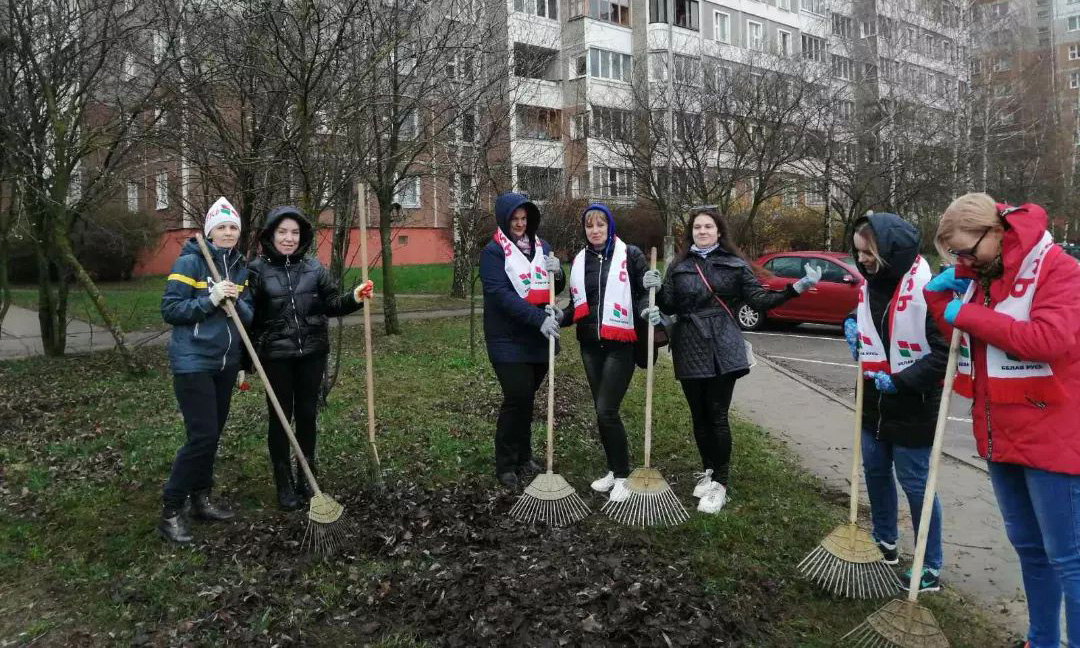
(829, 302)
(1072, 249)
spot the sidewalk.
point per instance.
(20, 333)
(979, 561)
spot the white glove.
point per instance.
(813, 276)
(552, 263)
(554, 311)
(220, 291)
(550, 328)
(651, 279)
(652, 315)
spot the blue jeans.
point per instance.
(912, 467)
(1042, 519)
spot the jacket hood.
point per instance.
(610, 226)
(898, 245)
(273, 219)
(505, 205)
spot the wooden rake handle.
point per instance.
(368, 367)
(650, 338)
(935, 461)
(230, 309)
(856, 455)
(551, 384)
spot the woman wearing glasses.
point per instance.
(706, 345)
(1013, 295)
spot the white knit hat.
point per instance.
(221, 212)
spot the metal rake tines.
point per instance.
(556, 512)
(657, 508)
(900, 623)
(864, 636)
(326, 539)
(849, 579)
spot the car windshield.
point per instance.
(847, 260)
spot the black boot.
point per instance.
(173, 527)
(286, 496)
(204, 510)
(509, 480)
(303, 488)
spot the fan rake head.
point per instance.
(550, 499)
(899, 624)
(327, 527)
(651, 502)
(849, 563)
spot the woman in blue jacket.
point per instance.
(204, 355)
(515, 268)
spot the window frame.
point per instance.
(161, 191)
(727, 26)
(780, 33)
(761, 36)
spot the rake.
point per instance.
(549, 498)
(651, 501)
(903, 622)
(376, 465)
(848, 562)
(327, 527)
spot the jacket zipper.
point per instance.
(292, 298)
(224, 358)
(600, 299)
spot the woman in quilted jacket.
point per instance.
(294, 297)
(1013, 294)
(709, 352)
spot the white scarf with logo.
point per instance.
(907, 324)
(529, 278)
(616, 315)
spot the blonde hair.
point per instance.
(867, 233)
(972, 212)
(594, 212)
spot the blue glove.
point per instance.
(882, 381)
(947, 282)
(953, 309)
(851, 336)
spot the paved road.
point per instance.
(820, 354)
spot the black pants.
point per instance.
(204, 400)
(609, 368)
(709, 400)
(296, 382)
(513, 431)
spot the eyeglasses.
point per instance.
(969, 253)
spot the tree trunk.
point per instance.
(462, 259)
(52, 304)
(390, 316)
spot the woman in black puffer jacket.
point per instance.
(708, 349)
(294, 297)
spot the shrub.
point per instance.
(109, 241)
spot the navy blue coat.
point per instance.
(204, 339)
(511, 324)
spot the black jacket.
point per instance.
(908, 417)
(294, 295)
(597, 266)
(705, 340)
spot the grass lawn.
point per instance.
(138, 302)
(86, 448)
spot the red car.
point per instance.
(829, 302)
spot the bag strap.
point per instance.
(708, 286)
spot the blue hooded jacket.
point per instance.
(511, 324)
(204, 339)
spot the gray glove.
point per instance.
(550, 328)
(652, 315)
(813, 276)
(552, 263)
(651, 279)
(554, 311)
(218, 292)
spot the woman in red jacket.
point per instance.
(1013, 294)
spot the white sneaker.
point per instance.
(714, 499)
(704, 483)
(619, 492)
(605, 483)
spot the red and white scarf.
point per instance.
(616, 314)
(1012, 379)
(529, 278)
(907, 324)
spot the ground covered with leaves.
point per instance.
(433, 559)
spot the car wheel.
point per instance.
(749, 318)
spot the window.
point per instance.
(999, 9)
(611, 183)
(842, 26)
(1002, 64)
(716, 73)
(128, 70)
(843, 68)
(408, 129)
(407, 193)
(687, 126)
(845, 110)
(786, 267)
(658, 11)
(687, 70)
(755, 36)
(539, 183)
(1074, 80)
(542, 8)
(609, 65)
(686, 14)
(579, 66)
(813, 49)
(829, 271)
(579, 126)
(721, 27)
(539, 123)
(132, 197)
(1074, 52)
(658, 66)
(468, 127)
(1074, 23)
(783, 42)
(464, 190)
(157, 52)
(460, 67)
(867, 28)
(785, 5)
(403, 240)
(532, 62)
(161, 189)
(813, 6)
(612, 11)
(611, 123)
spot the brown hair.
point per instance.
(723, 239)
(866, 231)
(972, 212)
